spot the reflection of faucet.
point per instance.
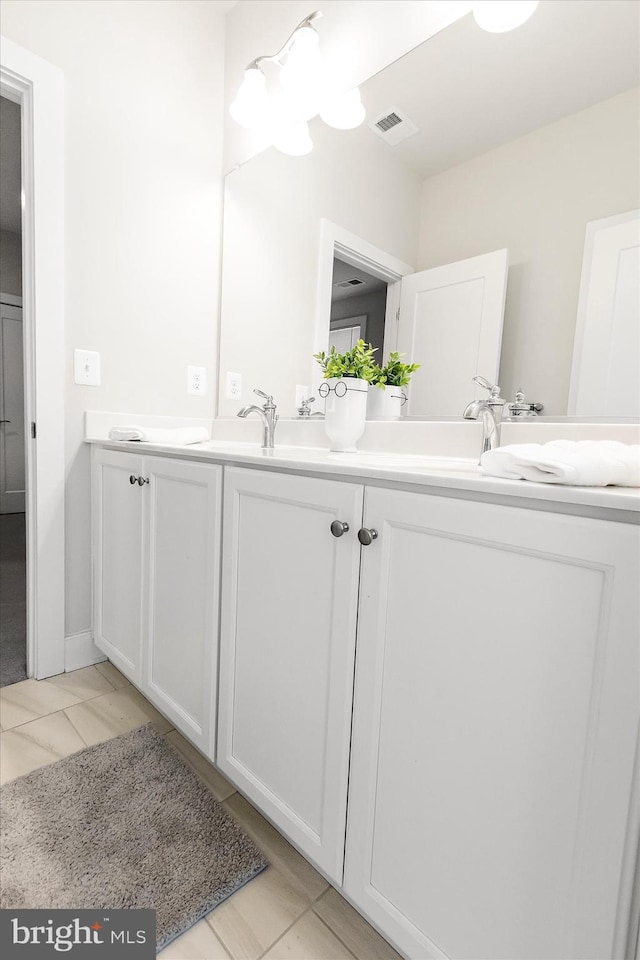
(520, 407)
(491, 412)
(304, 410)
(268, 416)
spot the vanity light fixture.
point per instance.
(498, 16)
(293, 139)
(306, 90)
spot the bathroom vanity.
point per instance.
(426, 678)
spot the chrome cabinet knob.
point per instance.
(133, 479)
(366, 536)
(142, 481)
(338, 527)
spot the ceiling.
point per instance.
(10, 183)
(469, 91)
(344, 271)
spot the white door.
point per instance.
(183, 503)
(289, 604)
(495, 720)
(12, 448)
(451, 324)
(117, 505)
(605, 379)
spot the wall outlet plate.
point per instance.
(196, 381)
(302, 393)
(86, 367)
(234, 386)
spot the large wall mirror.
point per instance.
(516, 142)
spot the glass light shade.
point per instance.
(344, 112)
(293, 139)
(301, 77)
(252, 100)
(498, 16)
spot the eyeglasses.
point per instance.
(340, 389)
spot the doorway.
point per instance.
(37, 88)
(358, 308)
(13, 554)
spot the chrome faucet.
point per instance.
(304, 410)
(490, 409)
(268, 416)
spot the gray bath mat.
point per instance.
(122, 824)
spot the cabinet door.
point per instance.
(117, 506)
(289, 604)
(495, 721)
(183, 522)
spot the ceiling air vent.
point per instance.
(349, 283)
(393, 126)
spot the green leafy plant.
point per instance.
(357, 362)
(395, 373)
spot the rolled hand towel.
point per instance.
(175, 435)
(588, 463)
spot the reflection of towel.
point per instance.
(179, 435)
(590, 463)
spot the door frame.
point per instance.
(335, 241)
(38, 86)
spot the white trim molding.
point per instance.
(80, 651)
(38, 87)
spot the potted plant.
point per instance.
(386, 395)
(346, 386)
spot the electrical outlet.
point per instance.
(197, 381)
(302, 393)
(86, 367)
(234, 386)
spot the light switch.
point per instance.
(86, 367)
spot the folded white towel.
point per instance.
(590, 463)
(176, 435)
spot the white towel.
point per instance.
(174, 435)
(590, 463)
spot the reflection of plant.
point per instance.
(395, 373)
(357, 362)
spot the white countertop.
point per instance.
(455, 476)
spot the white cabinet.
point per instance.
(495, 722)
(289, 607)
(487, 748)
(156, 576)
(117, 558)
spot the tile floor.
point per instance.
(289, 912)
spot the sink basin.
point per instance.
(413, 463)
(410, 462)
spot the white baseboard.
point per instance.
(81, 651)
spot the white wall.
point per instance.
(144, 103)
(535, 196)
(362, 38)
(273, 208)
(10, 263)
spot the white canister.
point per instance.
(345, 412)
(385, 403)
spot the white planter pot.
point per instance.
(346, 411)
(385, 404)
